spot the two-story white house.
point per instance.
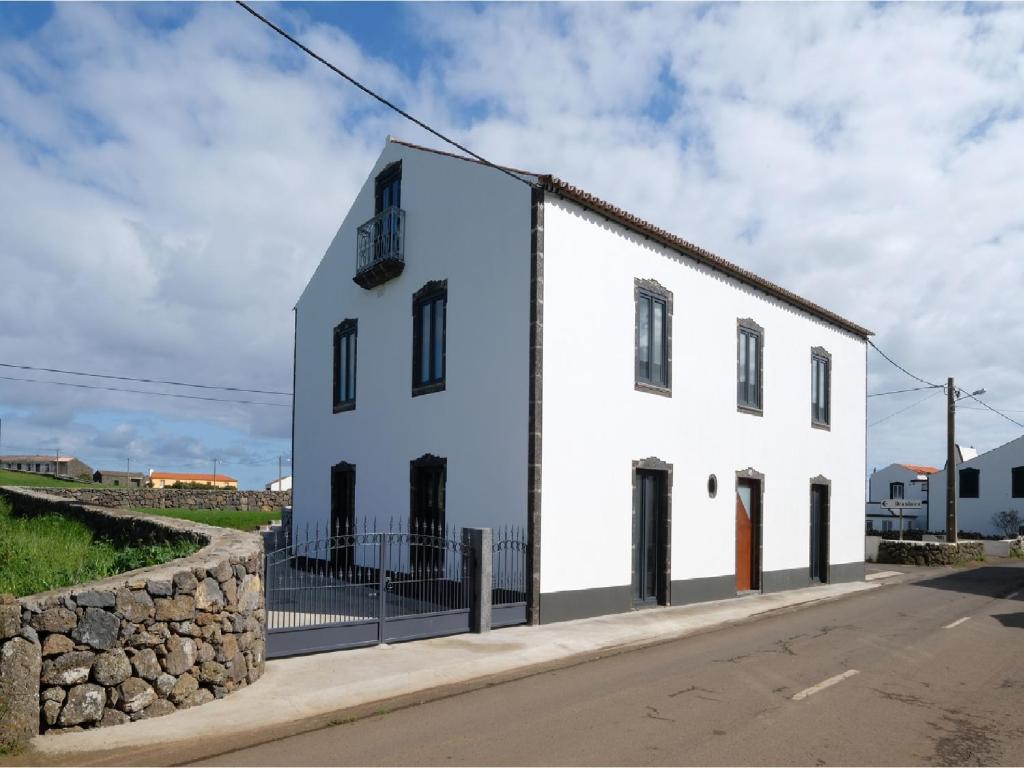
(480, 348)
(908, 482)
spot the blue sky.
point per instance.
(173, 174)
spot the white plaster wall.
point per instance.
(896, 473)
(993, 492)
(596, 424)
(469, 225)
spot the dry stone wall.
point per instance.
(929, 552)
(171, 498)
(138, 645)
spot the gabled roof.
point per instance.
(920, 469)
(51, 457)
(191, 476)
(585, 199)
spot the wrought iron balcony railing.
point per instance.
(380, 248)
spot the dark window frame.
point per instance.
(426, 552)
(429, 294)
(973, 490)
(645, 290)
(820, 358)
(747, 327)
(388, 175)
(1017, 482)
(346, 329)
(902, 487)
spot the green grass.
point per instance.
(8, 477)
(49, 551)
(224, 518)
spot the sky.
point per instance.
(172, 175)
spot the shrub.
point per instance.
(1007, 523)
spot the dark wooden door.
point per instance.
(819, 533)
(343, 515)
(748, 535)
(427, 523)
(649, 506)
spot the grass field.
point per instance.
(225, 518)
(51, 551)
(37, 481)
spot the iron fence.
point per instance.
(508, 576)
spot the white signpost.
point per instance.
(900, 504)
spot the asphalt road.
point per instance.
(921, 673)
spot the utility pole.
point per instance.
(279, 483)
(214, 473)
(950, 461)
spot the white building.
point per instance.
(481, 351)
(898, 481)
(280, 484)
(986, 483)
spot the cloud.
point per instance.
(172, 176)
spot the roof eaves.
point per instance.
(695, 252)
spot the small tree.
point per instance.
(1007, 523)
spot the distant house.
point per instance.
(114, 477)
(65, 466)
(280, 484)
(986, 483)
(898, 481)
(169, 479)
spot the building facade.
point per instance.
(668, 427)
(898, 481)
(170, 479)
(62, 466)
(986, 483)
(119, 478)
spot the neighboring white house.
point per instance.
(668, 427)
(280, 484)
(986, 483)
(898, 481)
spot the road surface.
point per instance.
(920, 673)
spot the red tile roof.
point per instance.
(920, 469)
(194, 477)
(630, 221)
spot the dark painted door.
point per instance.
(819, 533)
(343, 514)
(647, 526)
(748, 535)
(427, 523)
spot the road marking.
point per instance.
(824, 684)
(957, 623)
(1012, 595)
(881, 575)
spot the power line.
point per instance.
(378, 97)
(1000, 413)
(144, 392)
(904, 410)
(1004, 410)
(143, 381)
(911, 375)
(900, 391)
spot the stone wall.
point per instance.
(929, 552)
(137, 645)
(168, 498)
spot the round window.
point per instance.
(712, 486)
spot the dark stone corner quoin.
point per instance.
(137, 645)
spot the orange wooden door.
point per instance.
(744, 546)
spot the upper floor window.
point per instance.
(970, 483)
(749, 367)
(896, 490)
(345, 365)
(821, 387)
(388, 188)
(429, 314)
(653, 337)
(1017, 483)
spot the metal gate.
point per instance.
(508, 577)
(346, 588)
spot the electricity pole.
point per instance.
(950, 462)
(214, 473)
(279, 484)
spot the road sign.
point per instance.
(901, 504)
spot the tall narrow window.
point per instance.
(388, 188)
(749, 342)
(1017, 483)
(653, 337)
(429, 313)
(345, 366)
(896, 490)
(970, 483)
(821, 387)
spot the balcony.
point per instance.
(380, 248)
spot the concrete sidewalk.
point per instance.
(306, 692)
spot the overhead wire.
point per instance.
(901, 391)
(144, 381)
(145, 392)
(904, 410)
(365, 89)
